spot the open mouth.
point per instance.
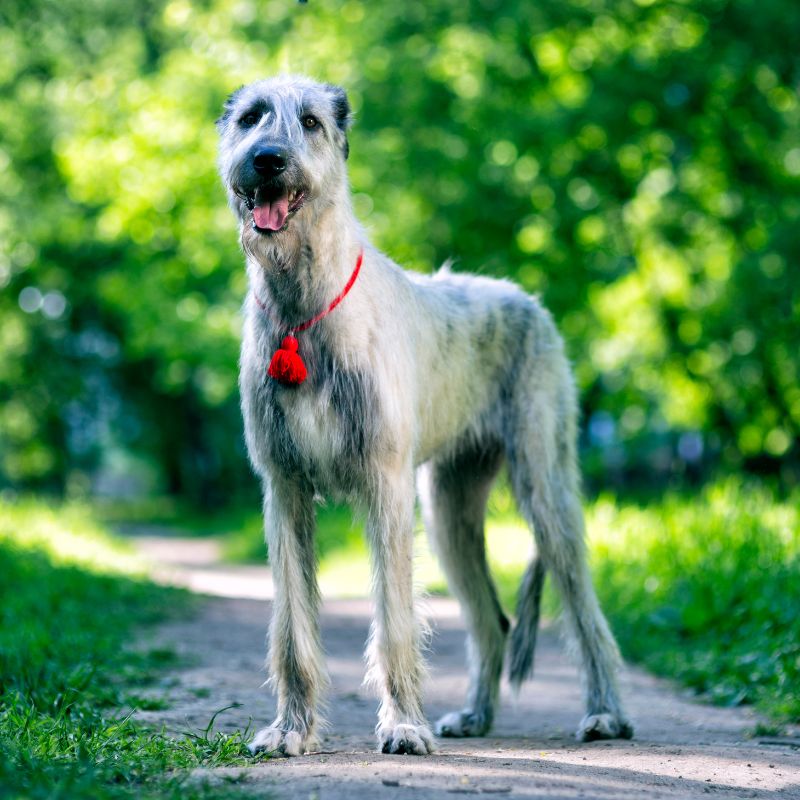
(273, 207)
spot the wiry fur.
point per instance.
(451, 373)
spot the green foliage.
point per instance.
(638, 163)
(707, 590)
(64, 670)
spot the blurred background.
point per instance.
(635, 163)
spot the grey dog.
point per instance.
(443, 378)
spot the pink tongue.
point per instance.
(272, 216)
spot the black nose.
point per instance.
(269, 161)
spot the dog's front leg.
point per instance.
(295, 653)
(393, 653)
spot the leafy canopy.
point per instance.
(637, 163)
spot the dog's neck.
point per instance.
(296, 273)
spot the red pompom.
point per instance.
(286, 366)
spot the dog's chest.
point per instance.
(312, 426)
(324, 428)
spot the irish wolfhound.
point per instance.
(451, 374)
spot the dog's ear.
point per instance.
(341, 106)
(341, 112)
(227, 109)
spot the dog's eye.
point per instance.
(310, 121)
(249, 119)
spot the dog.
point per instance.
(356, 379)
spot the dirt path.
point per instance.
(682, 748)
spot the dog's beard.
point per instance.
(276, 252)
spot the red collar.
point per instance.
(287, 366)
(324, 313)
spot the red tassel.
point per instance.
(286, 366)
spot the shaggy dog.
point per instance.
(356, 377)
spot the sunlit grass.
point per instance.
(68, 534)
(71, 597)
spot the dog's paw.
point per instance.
(280, 742)
(416, 740)
(462, 723)
(603, 726)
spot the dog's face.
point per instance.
(283, 147)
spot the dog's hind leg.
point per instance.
(544, 474)
(454, 492)
(393, 652)
(295, 653)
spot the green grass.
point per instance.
(707, 589)
(71, 598)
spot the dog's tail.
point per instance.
(523, 638)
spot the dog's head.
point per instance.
(283, 147)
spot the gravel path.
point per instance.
(682, 749)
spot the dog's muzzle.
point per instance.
(270, 196)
